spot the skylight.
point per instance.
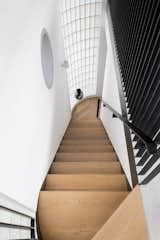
(81, 22)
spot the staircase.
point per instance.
(85, 184)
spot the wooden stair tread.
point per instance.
(85, 148)
(81, 157)
(85, 133)
(84, 130)
(127, 222)
(85, 124)
(86, 167)
(86, 136)
(86, 182)
(83, 121)
(76, 215)
(92, 142)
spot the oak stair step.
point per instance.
(82, 157)
(86, 182)
(84, 130)
(92, 142)
(75, 215)
(85, 124)
(86, 135)
(81, 111)
(84, 148)
(128, 222)
(86, 167)
(88, 113)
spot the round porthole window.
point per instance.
(47, 59)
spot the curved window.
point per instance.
(81, 22)
(47, 59)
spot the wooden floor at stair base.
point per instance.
(75, 215)
(128, 222)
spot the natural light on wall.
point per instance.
(81, 23)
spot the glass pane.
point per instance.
(83, 18)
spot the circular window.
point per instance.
(47, 59)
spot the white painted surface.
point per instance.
(13, 218)
(102, 53)
(8, 202)
(9, 217)
(151, 201)
(33, 118)
(101, 62)
(110, 95)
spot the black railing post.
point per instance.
(98, 107)
(33, 228)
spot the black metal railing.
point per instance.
(31, 227)
(136, 33)
(151, 145)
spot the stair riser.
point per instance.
(85, 130)
(86, 142)
(86, 169)
(87, 125)
(86, 149)
(84, 157)
(86, 136)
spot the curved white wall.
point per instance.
(33, 118)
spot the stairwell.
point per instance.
(85, 184)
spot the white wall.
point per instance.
(101, 62)
(151, 202)
(102, 52)
(110, 95)
(33, 118)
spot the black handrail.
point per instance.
(149, 143)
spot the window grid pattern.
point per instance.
(81, 24)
